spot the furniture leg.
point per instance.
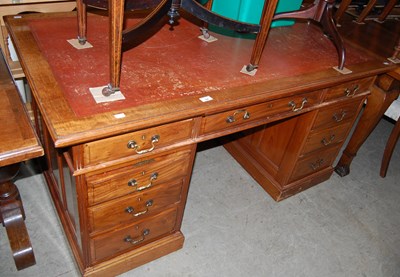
(12, 216)
(388, 8)
(82, 20)
(329, 28)
(321, 12)
(390, 145)
(341, 10)
(261, 39)
(366, 11)
(396, 51)
(116, 13)
(204, 28)
(377, 104)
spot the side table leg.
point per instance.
(12, 216)
(377, 104)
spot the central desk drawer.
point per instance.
(133, 207)
(250, 114)
(134, 235)
(138, 176)
(136, 143)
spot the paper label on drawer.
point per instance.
(75, 43)
(100, 98)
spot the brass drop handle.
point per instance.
(295, 108)
(326, 142)
(134, 183)
(133, 145)
(137, 240)
(340, 117)
(351, 92)
(317, 164)
(232, 118)
(130, 209)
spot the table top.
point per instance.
(18, 139)
(164, 78)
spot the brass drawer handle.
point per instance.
(326, 142)
(317, 164)
(133, 145)
(340, 117)
(134, 183)
(130, 209)
(293, 105)
(137, 240)
(351, 92)
(232, 118)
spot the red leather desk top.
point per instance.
(176, 63)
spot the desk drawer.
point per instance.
(313, 163)
(133, 207)
(337, 114)
(349, 89)
(136, 143)
(246, 115)
(139, 176)
(132, 236)
(325, 138)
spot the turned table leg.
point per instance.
(341, 10)
(366, 11)
(377, 104)
(12, 216)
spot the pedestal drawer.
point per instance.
(325, 138)
(313, 163)
(132, 207)
(337, 114)
(246, 115)
(136, 143)
(131, 236)
(138, 176)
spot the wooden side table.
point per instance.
(18, 143)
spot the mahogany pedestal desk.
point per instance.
(18, 143)
(119, 171)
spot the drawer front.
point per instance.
(313, 163)
(133, 207)
(337, 114)
(133, 236)
(139, 176)
(136, 143)
(349, 89)
(325, 138)
(246, 115)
